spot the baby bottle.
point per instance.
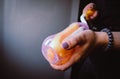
(52, 50)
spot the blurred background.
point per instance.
(24, 24)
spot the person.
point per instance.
(99, 54)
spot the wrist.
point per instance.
(101, 40)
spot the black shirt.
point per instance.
(101, 65)
(109, 12)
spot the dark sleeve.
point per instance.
(101, 66)
(109, 11)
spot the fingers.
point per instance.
(90, 11)
(88, 6)
(94, 15)
(62, 67)
(67, 65)
(75, 38)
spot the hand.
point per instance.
(84, 42)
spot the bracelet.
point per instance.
(110, 36)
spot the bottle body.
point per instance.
(52, 49)
(55, 54)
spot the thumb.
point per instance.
(74, 39)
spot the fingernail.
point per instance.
(65, 45)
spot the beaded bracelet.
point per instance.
(110, 36)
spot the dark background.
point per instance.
(24, 24)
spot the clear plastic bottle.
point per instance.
(52, 49)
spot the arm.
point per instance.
(88, 42)
(102, 38)
(116, 36)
